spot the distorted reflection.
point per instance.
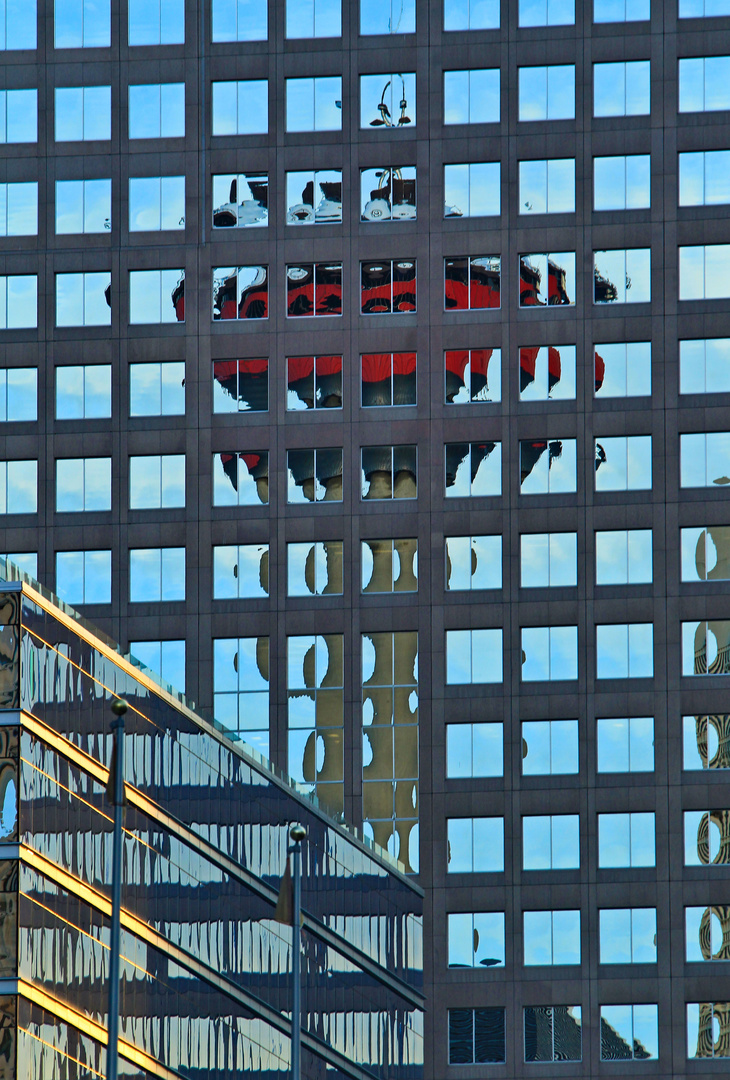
(314, 569)
(553, 1033)
(472, 190)
(477, 1036)
(388, 286)
(622, 276)
(704, 366)
(240, 571)
(551, 842)
(549, 747)
(472, 282)
(476, 940)
(626, 840)
(473, 469)
(240, 200)
(241, 385)
(548, 560)
(473, 562)
(706, 741)
(390, 742)
(549, 653)
(315, 696)
(706, 647)
(241, 688)
(314, 197)
(314, 475)
(241, 478)
(388, 194)
(474, 750)
(547, 279)
(313, 289)
(388, 100)
(705, 459)
(623, 463)
(706, 837)
(475, 845)
(389, 566)
(623, 369)
(388, 379)
(389, 472)
(9, 750)
(240, 292)
(551, 937)
(623, 557)
(625, 744)
(547, 466)
(627, 935)
(705, 553)
(473, 656)
(313, 382)
(707, 933)
(547, 373)
(629, 1032)
(708, 1029)
(469, 379)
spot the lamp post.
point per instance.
(297, 833)
(115, 793)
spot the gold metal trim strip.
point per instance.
(90, 1027)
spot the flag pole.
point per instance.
(115, 793)
(297, 833)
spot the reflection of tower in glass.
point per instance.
(390, 742)
(713, 1036)
(712, 647)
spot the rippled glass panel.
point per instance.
(622, 276)
(389, 565)
(389, 472)
(629, 1032)
(708, 1030)
(388, 379)
(477, 1036)
(388, 100)
(706, 647)
(315, 569)
(553, 1033)
(315, 697)
(706, 741)
(547, 279)
(314, 197)
(707, 933)
(473, 469)
(241, 478)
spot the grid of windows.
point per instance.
(560, 440)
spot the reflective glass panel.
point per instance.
(623, 557)
(475, 845)
(549, 747)
(314, 197)
(547, 373)
(704, 366)
(547, 466)
(471, 15)
(625, 744)
(551, 937)
(156, 202)
(314, 569)
(548, 560)
(546, 12)
(474, 750)
(623, 369)
(157, 389)
(476, 940)
(551, 842)
(549, 653)
(156, 296)
(473, 656)
(83, 206)
(472, 376)
(627, 935)
(622, 183)
(473, 469)
(547, 186)
(547, 279)
(19, 394)
(623, 463)
(626, 840)
(156, 22)
(621, 88)
(473, 562)
(313, 18)
(84, 577)
(472, 190)
(622, 276)
(388, 100)
(240, 200)
(547, 93)
(19, 209)
(472, 97)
